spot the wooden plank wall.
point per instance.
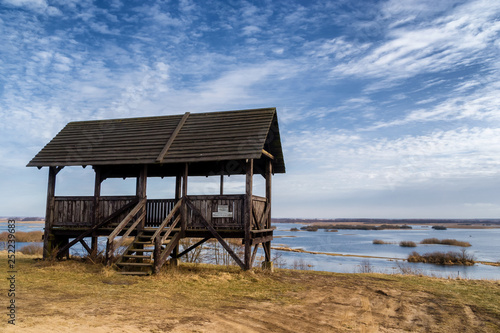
(110, 204)
(78, 211)
(207, 204)
(259, 206)
(73, 211)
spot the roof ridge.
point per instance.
(164, 151)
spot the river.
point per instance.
(485, 247)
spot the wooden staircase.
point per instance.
(138, 258)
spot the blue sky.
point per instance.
(386, 108)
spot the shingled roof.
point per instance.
(199, 137)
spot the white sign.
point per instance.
(222, 211)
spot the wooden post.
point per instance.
(184, 196)
(221, 184)
(248, 213)
(49, 213)
(269, 170)
(178, 196)
(96, 217)
(141, 191)
(178, 187)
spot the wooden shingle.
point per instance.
(200, 137)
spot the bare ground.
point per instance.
(76, 297)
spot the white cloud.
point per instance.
(39, 6)
(347, 163)
(479, 104)
(444, 43)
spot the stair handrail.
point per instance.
(158, 255)
(111, 246)
(167, 219)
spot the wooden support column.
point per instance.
(141, 191)
(184, 196)
(178, 187)
(221, 184)
(96, 216)
(174, 262)
(48, 238)
(269, 171)
(248, 213)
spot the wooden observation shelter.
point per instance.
(217, 144)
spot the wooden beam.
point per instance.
(160, 259)
(269, 171)
(216, 235)
(268, 154)
(164, 151)
(184, 197)
(141, 185)
(256, 247)
(221, 184)
(89, 250)
(248, 212)
(49, 212)
(127, 219)
(192, 247)
(178, 187)
(95, 217)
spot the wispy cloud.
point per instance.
(371, 96)
(460, 38)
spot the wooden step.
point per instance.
(137, 256)
(136, 264)
(135, 273)
(141, 250)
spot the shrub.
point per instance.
(379, 241)
(365, 266)
(32, 249)
(430, 241)
(407, 244)
(453, 242)
(441, 258)
(439, 227)
(294, 229)
(310, 228)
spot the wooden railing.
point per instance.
(172, 220)
(157, 210)
(79, 211)
(73, 211)
(228, 209)
(111, 245)
(260, 213)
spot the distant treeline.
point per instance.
(17, 218)
(388, 221)
(353, 227)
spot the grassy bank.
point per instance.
(74, 296)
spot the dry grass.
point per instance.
(23, 237)
(453, 242)
(32, 249)
(79, 297)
